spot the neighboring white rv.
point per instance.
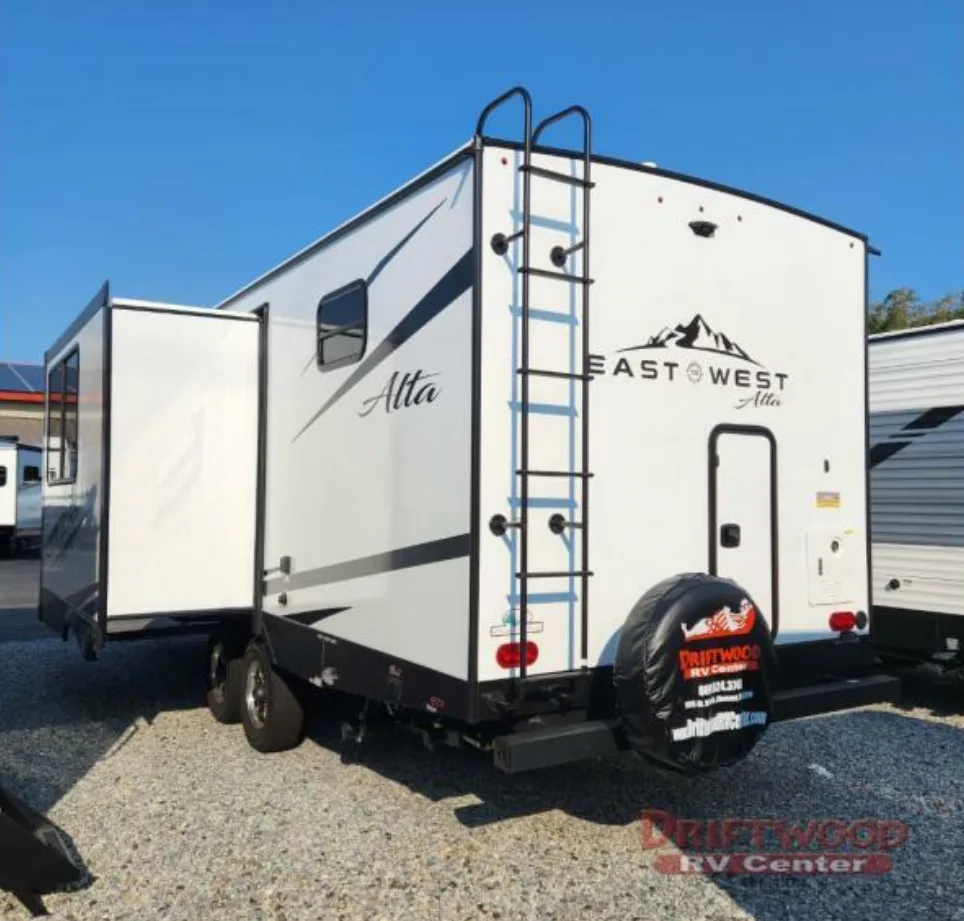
(20, 495)
(401, 466)
(917, 492)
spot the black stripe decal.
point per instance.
(934, 418)
(880, 452)
(312, 617)
(455, 282)
(434, 551)
(393, 252)
(924, 423)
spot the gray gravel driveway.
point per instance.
(175, 817)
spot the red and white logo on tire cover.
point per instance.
(725, 622)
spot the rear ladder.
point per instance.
(572, 471)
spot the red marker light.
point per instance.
(509, 655)
(843, 621)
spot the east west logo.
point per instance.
(694, 352)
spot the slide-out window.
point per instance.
(3, 476)
(343, 326)
(63, 381)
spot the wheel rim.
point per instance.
(256, 694)
(218, 671)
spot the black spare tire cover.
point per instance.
(693, 673)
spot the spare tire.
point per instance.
(693, 674)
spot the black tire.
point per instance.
(271, 713)
(225, 676)
(6, 546)
(694, 674)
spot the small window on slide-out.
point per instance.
(3, 476)
(343, 326)
(62, 387)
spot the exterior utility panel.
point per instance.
(917, 491)
(716, 411)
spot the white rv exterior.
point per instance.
(440, 444)
(917, 491)
(143, 525)
(20, 494)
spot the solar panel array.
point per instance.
(21, 378)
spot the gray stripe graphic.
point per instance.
(435, 551)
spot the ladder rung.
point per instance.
(549, 316)
(559, 473)
(543, 502)
(563, 574)
(546, 409)
(543, 598)
(558, 276)
(565, 375)
(558, 177)
(544, 222)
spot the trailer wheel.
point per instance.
(225, 677)
(271, 712)
(694, 674)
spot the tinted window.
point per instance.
(62, 387)
(31, 474)
(343, 325)
(70, 416)
(3, 476)
(55, 419)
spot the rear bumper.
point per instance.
(809, 700)
(821, 677)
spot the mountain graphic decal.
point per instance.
(698, 335)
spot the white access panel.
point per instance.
(183, 461)
(743, 500)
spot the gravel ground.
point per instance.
(174, 816)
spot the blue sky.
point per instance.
(181, 148)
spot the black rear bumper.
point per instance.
(820, 677)
(809, 700)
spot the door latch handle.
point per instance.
(730, 535)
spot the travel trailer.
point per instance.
(917, 494)
(532, 455)
(20, 495)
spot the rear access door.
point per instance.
(743, 512)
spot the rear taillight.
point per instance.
(509, 655)
(843, 621)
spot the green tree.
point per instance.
(902, 308)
